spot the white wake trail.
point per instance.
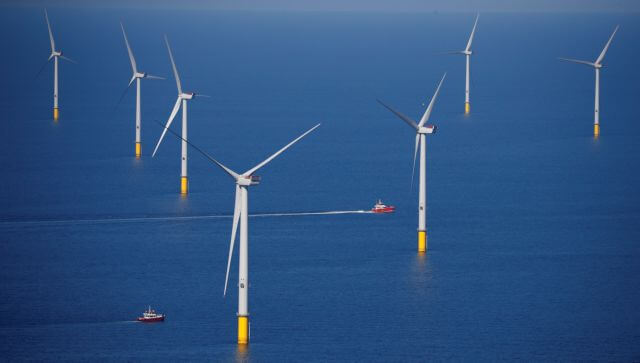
(170, 218)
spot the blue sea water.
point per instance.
(533, 225)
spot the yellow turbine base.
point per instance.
(422, 241)
(596, 130)
(243, 330)
(138, 150)
(184, 185)
(467, 108)
(56, 114)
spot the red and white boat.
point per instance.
(382, 208)
(150, 316)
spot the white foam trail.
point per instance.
(171, 218)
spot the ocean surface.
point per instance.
(533, 226)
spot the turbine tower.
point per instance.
(596, 65)
(137, 76)
(467, 53)
(183, 97)
(421, 131)
(240, 214)
(55, 54)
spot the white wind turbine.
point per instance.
(183, 97)
(240, 214)
(137, 76)
(467, 53)
(421, 130)
(55, 54)
(596, 65)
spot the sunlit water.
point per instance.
(533, 224)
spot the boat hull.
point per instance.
(156, 319)
(389, 209)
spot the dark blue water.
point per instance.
(533, 224)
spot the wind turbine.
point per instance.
(55, 54)
(240, 214)
(596, 65)
(137, 76)
(467, 53)
(183, 97)
(421, 130)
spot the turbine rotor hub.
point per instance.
(429, 129)
(248, 180)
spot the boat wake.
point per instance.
(171, 218)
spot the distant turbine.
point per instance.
(137, 76)
(596, 65)
(183, 97)
(421, 131)
(467, 52)
(241, 213)
(55, 55)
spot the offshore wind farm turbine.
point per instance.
(183, 97)
(55, 54)
(240, 214)
(422, 129)
(467, 53)
(137, 76)
(596, 65)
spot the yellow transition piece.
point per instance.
(422, 241)
(184, 185)
(243, 329)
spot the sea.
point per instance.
(533, 224)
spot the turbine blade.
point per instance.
(176, 107)
(201, 95)
(68, 59)
(173, 64)
(233, 174)
(604, 51)
(53, 43)
(133, 78)
(267, 160)
(236, 217)
(427, 113)
(415, 154)
(404, 118)
(577, 61)
(122, 97)
(151, 76)
(131, 58)
(472, 34)
(42, 68)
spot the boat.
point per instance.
(150, 316)
(382, 208)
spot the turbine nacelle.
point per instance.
(139, 75)
(248, 180)
(467, 52)
(429, 129)
(186, 95)
(55, 54)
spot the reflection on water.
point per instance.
(242, 353)
(421, 273)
